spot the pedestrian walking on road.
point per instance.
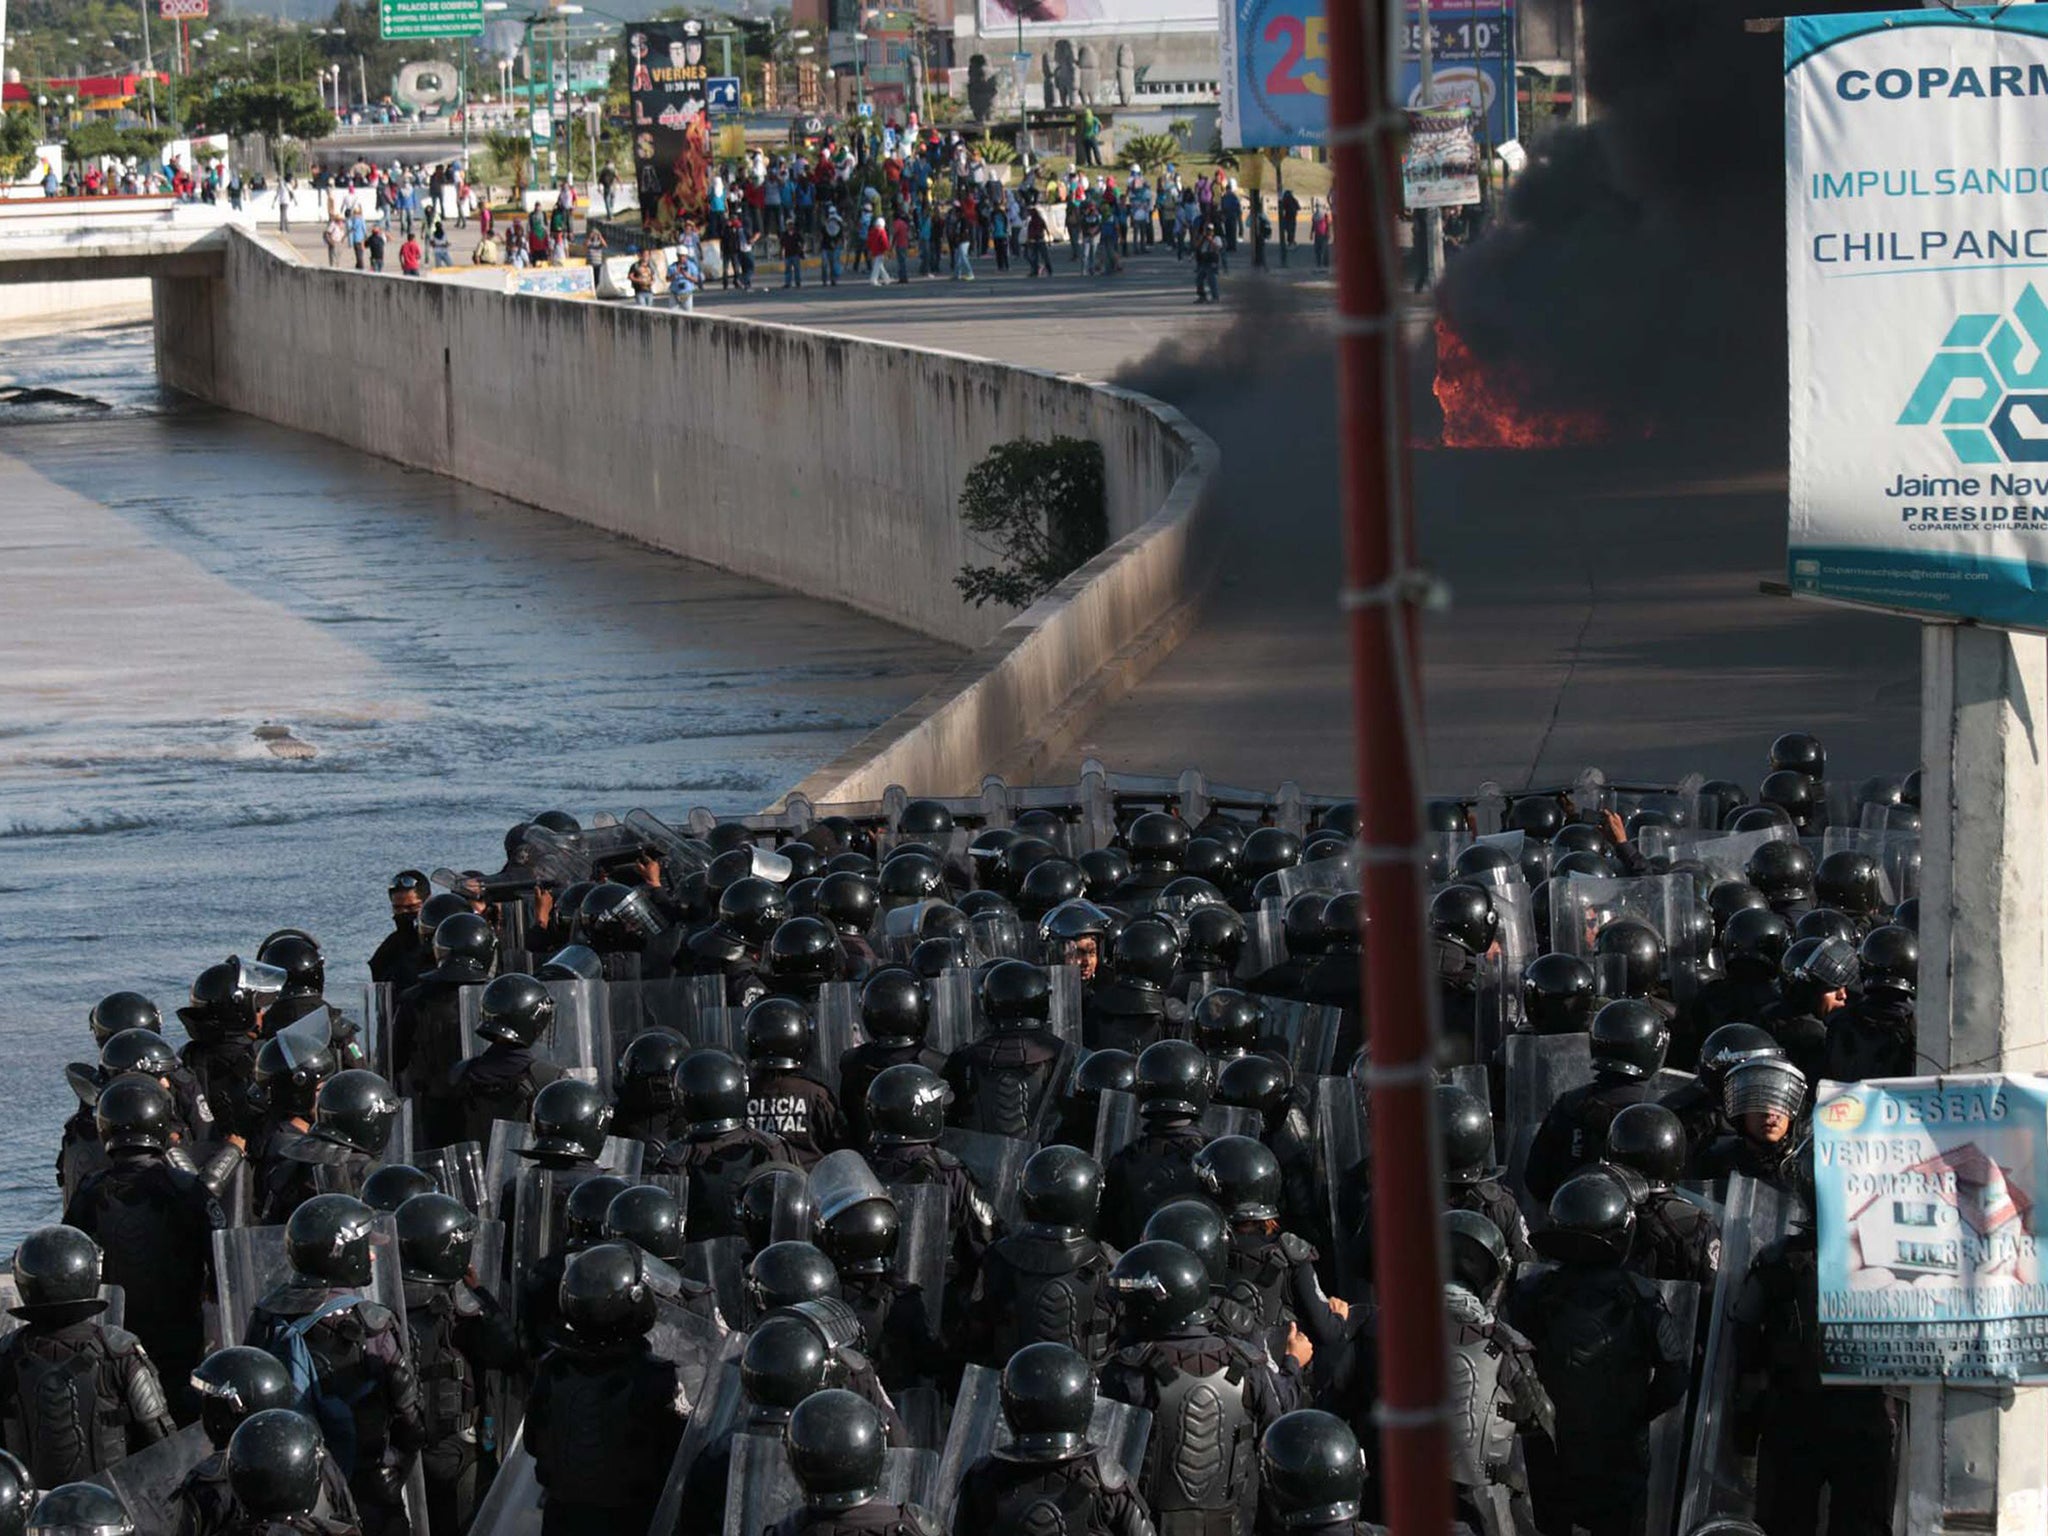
(1319, 231)
(1208, 264)
(792, 241)
(335, 237)
(1036, 255)
(375, 242)
(899, 243)
(410, 257)
(358, 233)
(829, 238)
(438, 245)
(878, 252)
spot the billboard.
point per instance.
(1916, 222)
(1472, 63)
(1275, 74)
(398, 19)
(667, 82)
(1929, 1211)
(1076, 18)
(1440, 162)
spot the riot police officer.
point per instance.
(1472, 1175)
(365, 1388)
(1464, 930)
(648, 1217)
(76, 1394)
(1242, 1179)
(906, 1108)
(1676, 1238)
(352, 1120)
(717, 1149)
(1050, 1476)
(1629, 1038)
(1234, 1302)
(220, 1027)
(1559, 993)
(274, 1463)
(17, 1496)
(1080, 1107)
(837, 1445)
(644, 1088)
(783, 1363)
(501, 1082)
(1132, 1006)
(426, 1029)
(1753, 948)
(232, 1385)
(1875, 1036)
(1301, 929)
(1311, 1477)
(1495, 1392)
(894, 1015)
(1044, 1281)
(604, 1413)
(154, 1225)
(1158, 1166)
(1763, 1098)
(1265, 1083)
(1817, 976)
(861, 1240)
(400, 957)
(1698, 1103)
(1001, 1080)
(784, 1099)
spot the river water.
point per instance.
(179, 577)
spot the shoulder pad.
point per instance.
(1297, 1250)
(119, 1341)
(944, 1159)
(1110, 1470)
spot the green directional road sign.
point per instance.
(429, 18)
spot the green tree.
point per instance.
(1150, 151)
(19, 136)
(1042, 507)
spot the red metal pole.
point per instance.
(1381, 597)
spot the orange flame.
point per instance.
(1491, 405)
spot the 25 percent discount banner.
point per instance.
(1276, 73)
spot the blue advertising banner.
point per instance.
(1472, 64)
(1275, 82)
(1916, 225)
(1928, 1194)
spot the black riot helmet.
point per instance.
(1591, 1221)
(1582, 837)
(1049, 884)
(787, 1274)
(1302, 926)
(572, 962)
(648, 1217)
(1227, 1022)
(234, 1383)
(1762, 1084)
(1257, 1081)
(1783, 870)
(837, 1449)
(1465, 1127)
(1464, 915)
(1907, 914)
(853, 861)
(1173, 1081)
(1757, 938)
(80, 1509)
(516, 1009)
(646, 1077)
(123, 1010)
(804, 952)
(861, 1238)
(1825, 923)
(1718, 800)
(1477, 1251)
(1160, 1288)
(1729, 897)
(1156, 841)
(1650, 1139)
(925, 820)
(1209, 858)
(1147, 954)
(1061, 1187)
(910, 876)
(1016, 994)
(805, 861)
(436, 910)
(906, 1106)
(568, 1118)
(1536, 816)
(1760, 818)
(1197, 1226)
(225, 998)
(1584, 861)
(1814, 966)
(803, 894)
(1344, 923)
(1798, 752)
(290, 1068)
(1104, 869)
(1636, 952)
(436, 1233)
(784, 1362)
(275, 1464)
(1267, 850)
(1484, 864)
(713, 1089)
(588, 1204)
(847, 901)
(1793, 793)
(1729, 1046)
(328, 1240)
(17, 1496)
(138, 1050)
(1558, 992)
(1100, 1072)
(894, 1011)
(1048, 1394)
(132, 1113)
(1242, 1176)
(989, 856)
(1215, 939)
(297, 954)
(1629, 1037)
(605, 1295)
(752, 909)
(468, 940)
(774, 1196)
(1890, 961)
(619, 919)
(1909, 789)
(1312, 1470)
(57, 1267)
(778, 1034)
(355, 1109)
(565, 826)
(1852, 881)
(389, 1187)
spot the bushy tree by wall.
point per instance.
(1042, 508)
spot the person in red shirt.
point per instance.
(410, 256)
(878, 251)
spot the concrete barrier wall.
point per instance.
(827, 464)
(28, 307)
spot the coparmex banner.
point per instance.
(1929, 1196)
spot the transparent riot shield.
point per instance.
(1719, 1479)
(1232, 1120)
(509, 1138)
(458, 1171)
(148, 1481)
(512, 1507)
(837, 1016)
(1064, 1004)
(689, 1005)
(1667, 1430)
(580, 1038)
(1727, 857)
(1343, 1152)
(1264, 944)
(922, 1411)
(997, 1163)
(250, 1263)
(716, 1412)
(380, 1002)
(1540, 1070)
(721, 1263)
(977, 1421)
(692, 1344)
(842, 1179)
(1116, 1123)
(1582, 905)
(924, 1237)
(399, 1145)
(1308, 1031)
(1473, 1080)
(998, 936)
(951, 998)
(539, 1225)
(760, 1489)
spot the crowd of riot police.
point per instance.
(995, 1165)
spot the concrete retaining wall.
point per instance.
(30, 307)
(827, 464)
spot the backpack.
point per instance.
(333, 1412)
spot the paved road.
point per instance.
(1604, 604)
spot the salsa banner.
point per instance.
(1440, 163)
(1916, 224)
(1928, 1192)
(1275, 77)
(671, 130)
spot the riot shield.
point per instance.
(509, 1138)
(690, 1343)
(512, 1507)
(683, 1004)
(717, 1411)
(539, 1225)
(458, 1171)
(923, 1412)
(842, 1179)
(951, 998)
(997, 1163)
(1232, 1120)
(721, 1263)
(1667, 1430)
(380, 1002)
(1116, 1123)
(1473, 1080)
(1063, 1017)
(971, 1435)
(837, 1014)
(998, 936)
(1582, 905)
(1727, 857)
(1265, 945)
(1540, 1070)
(1719, 1481)
(1309, 1032)
(760, 1489)
(148, 1481)
(679, 856)
(924, 1237)
(580, 1039)
(1342, 1151)
(403, 1138)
